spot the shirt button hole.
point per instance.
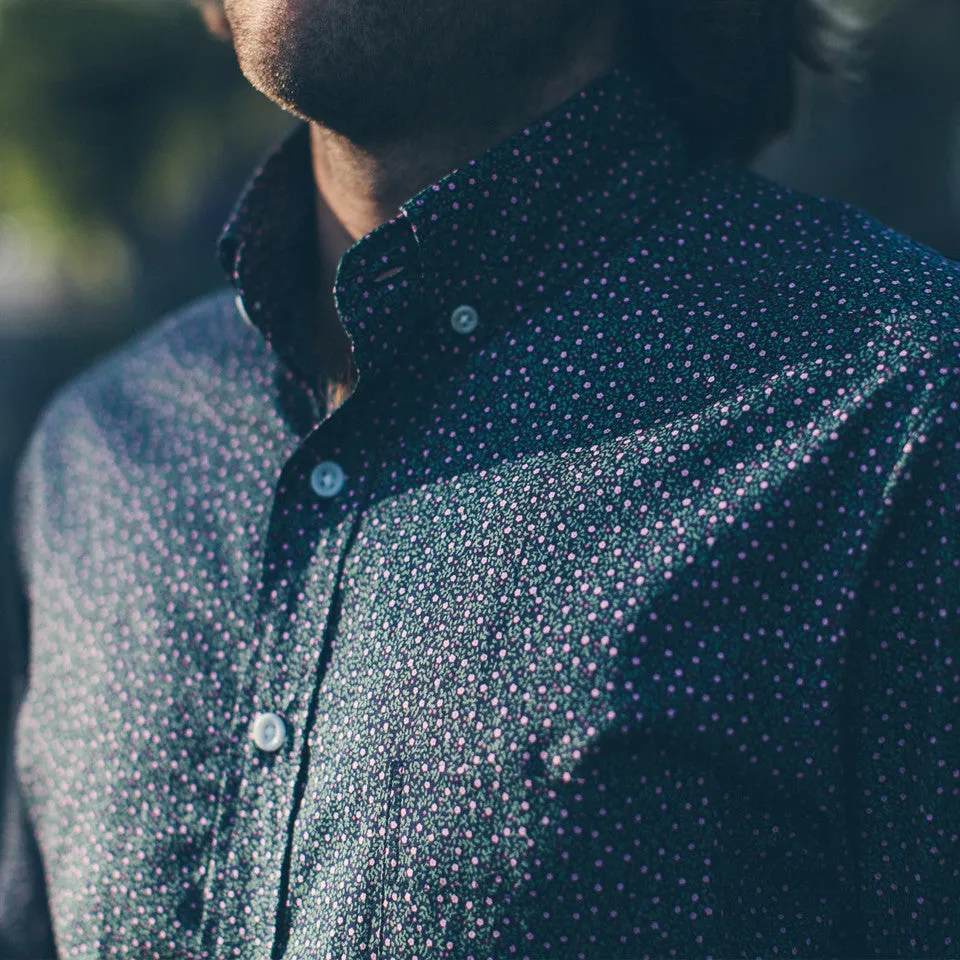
(388, 274)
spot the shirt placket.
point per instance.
(319, 503)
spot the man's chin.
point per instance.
(378, 72)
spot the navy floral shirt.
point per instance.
(614, 615)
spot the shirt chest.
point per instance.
(513, 640)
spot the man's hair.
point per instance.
(729, 67)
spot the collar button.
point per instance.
(327, 479)
(464, 319)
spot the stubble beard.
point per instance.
(379, 72)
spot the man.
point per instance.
(545, 549)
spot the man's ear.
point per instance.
(214, 18)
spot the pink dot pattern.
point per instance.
(630, 634)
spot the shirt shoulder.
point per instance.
(122, 417)
(810, 266)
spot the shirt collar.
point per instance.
(533, 212)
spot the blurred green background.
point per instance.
(126, 133)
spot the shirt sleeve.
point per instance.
(903, 701)
(25, 927)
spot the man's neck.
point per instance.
(359, 189)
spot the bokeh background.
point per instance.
(126, 133)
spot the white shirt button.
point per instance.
(464, 319)
(327, 479)
(269, 732)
